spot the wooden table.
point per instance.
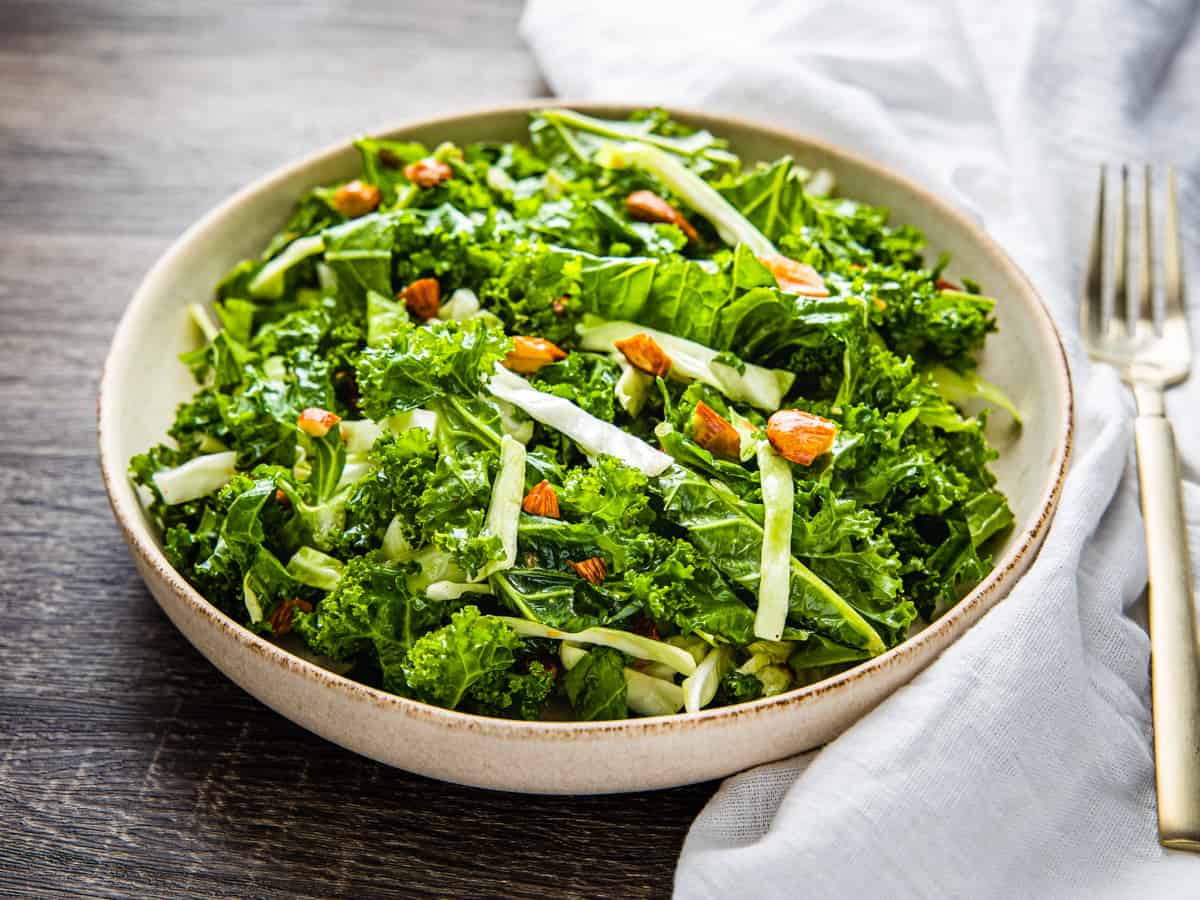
(128, 765)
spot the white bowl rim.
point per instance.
(127, 511)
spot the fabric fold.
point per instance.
(1020, 764)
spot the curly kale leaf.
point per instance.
(570, 140)
(239, 539)
(143, 466)
(535, 293)
(513, 694)
(371, 611)
(908, 496)
(420, 365)
(596, 686)
(739, 687)
(446, 243)
(563, 600)
(216, 540)
(265, 586)
(383, 164)
(772, 197)
(586, 379)
(821, 231)
(359, 253)
(222, 361)
(680, 587)
(451, 510)
(401, 467)
(932, 324)
(728, 531)
(444, 666)
(610, 492)
(550, 543)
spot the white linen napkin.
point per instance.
(1020, 763)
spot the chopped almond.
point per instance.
(356, 199)
(541, 501)
(592, 569)
(647, 206)
(428, 172)
(714, 433)
(422, 298)
(795, 277)
(281, 617)
(800, 436)
(316, 422)
(390, 160)
(530, 354)
(643, 352)
(645, 626)
(560, 306)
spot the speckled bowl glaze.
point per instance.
(143, 382)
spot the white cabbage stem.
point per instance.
(690, 361)
(196, 478)
(594, 435)
(774, 587)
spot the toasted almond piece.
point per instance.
(422, 298)
(428, 172)
(281, 616)
(714, 433)
(592, 569)
(560, 306)
(541, 500)
(356, 199)
(647, 206)
(643, 352)
(795, 277)
(389, 160)
(530, 354)
(800, 436)
(645, 626)
(316, 422)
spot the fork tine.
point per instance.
(1172, 255)
(1120, 315)
(1144, 310)
(1092, 308)
(1150, 358)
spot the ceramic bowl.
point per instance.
(143, 381)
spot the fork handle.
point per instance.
(1174, 642)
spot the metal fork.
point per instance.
(1152, 354)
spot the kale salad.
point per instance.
(599, 425)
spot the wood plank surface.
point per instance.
(129, 767)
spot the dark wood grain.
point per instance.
(128, 765)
